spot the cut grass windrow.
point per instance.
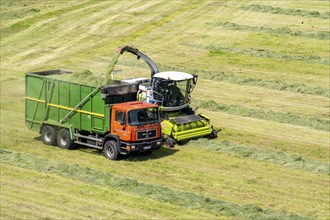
(184, 199)
(320, 35)
(215, 50)
(218, 50)
(287, 118)
(285, 11)
(238, 79)
(280, 158)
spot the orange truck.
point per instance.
(106, 118)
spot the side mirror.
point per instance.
(122, 122)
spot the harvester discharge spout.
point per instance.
(145, 58)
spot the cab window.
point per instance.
(120, 117)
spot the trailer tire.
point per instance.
(64, 139)
(48, 135)
(111, 150)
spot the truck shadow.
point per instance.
(156, 154)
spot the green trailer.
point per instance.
(99, 117)
(64, 104)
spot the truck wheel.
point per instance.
(111, 150)
(48, 135)
(64, 139)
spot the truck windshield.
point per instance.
(143, 116)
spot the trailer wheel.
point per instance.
(48, 135)
(111, 150)
(64, 139)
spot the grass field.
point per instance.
(263, 71)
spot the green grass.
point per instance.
(322, 35)
(218, 50)
(184, 199)
(276, 157)
(279, 136)
(28, 191)
(263, 79)
(289, 118)
(286, 11)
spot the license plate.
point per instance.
(146, 147)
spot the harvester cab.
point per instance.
(174, 89)
(171, 90)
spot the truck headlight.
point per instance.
(158, 142)
(133, 147)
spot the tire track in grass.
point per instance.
(184, 199)
(320, 35)
(285, 11)
(287, 118)
(276, 157)
(235, 78)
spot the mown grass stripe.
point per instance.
(275, 157)
(287, 118)
(26, 23)
(320, 35)
(218, 50)
(185, 199)
(215, 50)
(238, 79)
(270, 84)
(285, 11)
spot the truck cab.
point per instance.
(137, 126)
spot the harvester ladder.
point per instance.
(79, 104)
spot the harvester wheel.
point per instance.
(64, 139)
(213, 134)
(48, 135)
(111, 150)
(170, 142)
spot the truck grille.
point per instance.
(146, 134)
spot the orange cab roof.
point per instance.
(135, 105)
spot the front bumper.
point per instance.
(130, 147)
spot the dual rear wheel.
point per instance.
(52, 136)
